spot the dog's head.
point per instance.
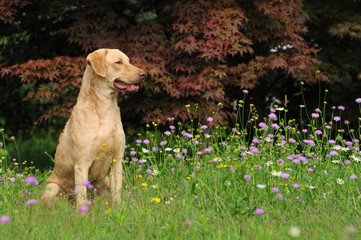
(113, 65)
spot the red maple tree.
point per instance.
(196, 52)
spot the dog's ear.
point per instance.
(97, 61)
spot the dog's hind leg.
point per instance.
(51, 190)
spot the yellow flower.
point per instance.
(155, 124)
(109, 210)
(156, 200)
(114, 160)
(144, 184)
(106, 203)
(187, 106)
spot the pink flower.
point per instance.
(254, 150)
(259, 211)
(31, 180)
(209, 119)
(333, 153)
(83, 209)
(296, 185)
(336, 118)
(272, 116)
(247, 176)
(87, 184)
(315, 115)
(167, 133)
(318, 132)
(31, 202)
(4, 219)
(358, 100)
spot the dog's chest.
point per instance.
(110, 133)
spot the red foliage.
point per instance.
(194, 52)
(8, 8)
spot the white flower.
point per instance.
(154, 186)
(340, 181)
(261, 186)
(155, 172)
(229, 183)
(336, 161)
(217, 159)
(207, 135)
(168, 149)
(176, 150)
(294, 231)
(356, 159)
(280, 109)
(145, 150)
(312, 187)
(277, 174)
(269, 163)
(337, 147)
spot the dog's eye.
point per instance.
(119, 62)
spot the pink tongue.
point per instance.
(123, 86)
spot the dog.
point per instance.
(92, 144)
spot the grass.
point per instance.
(209, 182)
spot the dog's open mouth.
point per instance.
(124, 87)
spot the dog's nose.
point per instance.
(142, 75)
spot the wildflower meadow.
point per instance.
(269, 178)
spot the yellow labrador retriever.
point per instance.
(92, 143)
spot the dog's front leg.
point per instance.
(81, 172)
(116, 178)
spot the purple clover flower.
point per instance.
(208, 149)
(87, 184)
(333, 153)
(336, 118)
(4, 219)
(254, 150)
(318, 132)
(168, 133)
(353, 176)
(31, 202)
(259, 211)
(83, 209)
(31, 180)
(315, 115)
(272, 116)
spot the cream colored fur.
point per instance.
(92, 144)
